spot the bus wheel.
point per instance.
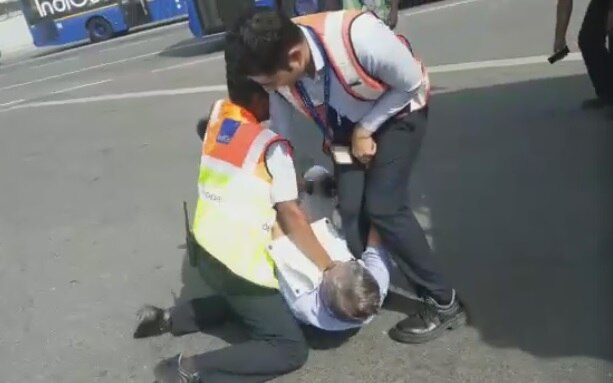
(99, 29)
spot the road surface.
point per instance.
(98, 151)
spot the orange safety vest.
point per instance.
(234, 213)
(333, 30)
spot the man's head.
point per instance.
(269, 48)
(242, 90)
(350, 292)
(245, 93)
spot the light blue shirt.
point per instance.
(382, 55)
(309, 309)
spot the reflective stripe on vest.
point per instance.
(333, 29)
(234, 213)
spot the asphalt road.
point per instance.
(97, 152)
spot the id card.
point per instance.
(341, 155)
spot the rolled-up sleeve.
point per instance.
(387, 59)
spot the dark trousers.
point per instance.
(592, 41)
(379, 196)
(276, 343)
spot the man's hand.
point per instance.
(392, 18)
(363, 147)
(559, 43)
(563, 13)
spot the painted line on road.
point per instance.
(131, 43)
(86, 69)
(81, 86)
(10, 103)
(437, 8)
(86, 45)
(189, 63)
(55, 62)
(123, 96)
(448, 68)
(488, 64)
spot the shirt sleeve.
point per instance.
(376, 261)
(387, 59)
(281, 168)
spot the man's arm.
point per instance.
(387, 59)
(393, 16)
(564, 11)
(291, 218)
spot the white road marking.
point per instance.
(85, 45)
(55, 62)
(7, 104)
(81, 86)
(129, 44)
(448, 68)
(437, 8)
(189, 63)
(499, 63)
(86, 69)
(123, 96)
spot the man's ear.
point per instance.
(294, 57)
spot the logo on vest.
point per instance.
(211, 197)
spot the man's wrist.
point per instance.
(360, 132)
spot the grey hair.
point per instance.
(351, 292)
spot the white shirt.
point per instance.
(382, 55)
(281, 168)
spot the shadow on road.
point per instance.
(519, 183)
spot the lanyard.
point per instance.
(324, 126)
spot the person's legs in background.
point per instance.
(597, 58)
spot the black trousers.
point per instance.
(592, 42)
(276, 343)
(379, 196)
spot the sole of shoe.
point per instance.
(411, 338)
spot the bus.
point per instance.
(59, 22)
(208, 17)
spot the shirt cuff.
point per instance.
(390, 104)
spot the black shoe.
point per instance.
(152, 321)
(596, 103)
(430, 322)
(172, 371)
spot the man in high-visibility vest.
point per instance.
(368, 95)
(246, 183)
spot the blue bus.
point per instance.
(58, 22)
(207, 17)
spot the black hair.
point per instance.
(261, 40)
(201, 126)
(241, 89)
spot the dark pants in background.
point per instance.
(380, 196)
(592, 41)
(276, 343)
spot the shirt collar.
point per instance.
(316, 53)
